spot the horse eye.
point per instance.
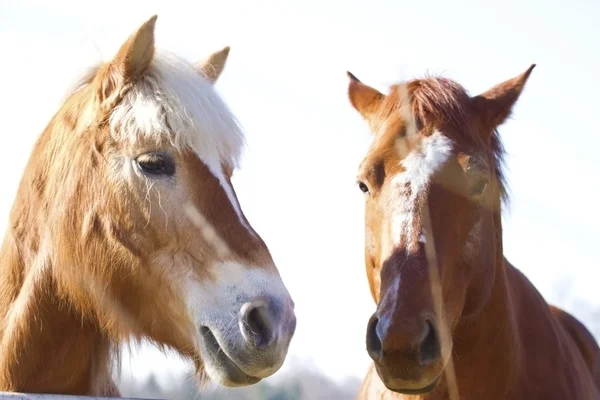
(363, 188)
(479, 187)
(157, 164)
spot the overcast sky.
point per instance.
(285, 80)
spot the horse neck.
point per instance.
(487, 342)
(45, 344)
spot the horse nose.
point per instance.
(424, 348)
(262, 325)
(429, 349)
(374, 347)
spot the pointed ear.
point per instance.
(130, 63)
(213, 66)
(363, 98)
(495, 105)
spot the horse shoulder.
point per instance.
(582, 338)
(557, 336)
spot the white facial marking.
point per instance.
(229, 192)
(419, 165)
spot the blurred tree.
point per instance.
(304, 384)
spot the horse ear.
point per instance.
(213, 66)
(130, 62)
(495, 105)
(363, 98)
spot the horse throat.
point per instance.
(486, 341)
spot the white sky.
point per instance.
(286, 82)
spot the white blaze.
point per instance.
(419, 166)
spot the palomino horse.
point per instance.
(454, 318)
(126, 226)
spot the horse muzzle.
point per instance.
(253, 346)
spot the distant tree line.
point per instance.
(302, 385)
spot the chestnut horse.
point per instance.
(454, 318)
(126, 227)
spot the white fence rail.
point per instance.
(32, 396)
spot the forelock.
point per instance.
(173, 101)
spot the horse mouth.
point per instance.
(218, 362)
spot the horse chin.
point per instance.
(414, 392)
(221, 368)
(421, 383)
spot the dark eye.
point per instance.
(157, 164)
(478, 187)
(363, 188)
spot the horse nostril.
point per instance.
(429, 349)
(256, 323)
(373, 341)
